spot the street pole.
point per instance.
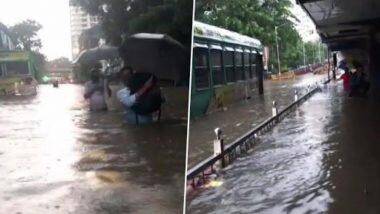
(319, 52)
(328, 60)
(304, 54)
(278, 52)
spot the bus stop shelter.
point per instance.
(351, 27)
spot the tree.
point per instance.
(25, 35)
(121, 18)
(257, 18)
(60, 62)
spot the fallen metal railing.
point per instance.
(198, 174)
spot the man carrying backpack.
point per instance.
(141, 96)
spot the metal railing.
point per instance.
(198, 175)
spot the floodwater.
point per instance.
(322, 158)
(243, 116)
(57, 157)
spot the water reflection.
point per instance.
(57, 156)
(287, 172)
(243, 116)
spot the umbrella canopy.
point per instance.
(158, 54)
(95, 54)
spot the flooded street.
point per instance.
(57, 157)
(322, 158)
(242, 116)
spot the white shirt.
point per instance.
(125, 97)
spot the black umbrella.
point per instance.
(95, 54)
(158, 54)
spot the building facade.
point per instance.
(6, 43)
(80, 21)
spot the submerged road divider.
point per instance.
(225, 154)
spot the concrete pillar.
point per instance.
(373, 67)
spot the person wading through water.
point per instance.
(94, 91)
(141, 96)
(346, 79)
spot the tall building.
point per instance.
(5, 39)
(80, 21)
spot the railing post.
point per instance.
(219, 146)
(274, 109)
(16, 88)
(295, 95)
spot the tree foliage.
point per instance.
(121, 18)
(60, 62)
(258, 19)
(24, 34)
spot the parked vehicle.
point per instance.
(227, 67)
(18, 73)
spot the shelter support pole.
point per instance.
(335, 60)
(260, 73)
(329, 64)
(374, 73)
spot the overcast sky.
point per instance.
(305, 27)
(53, 15)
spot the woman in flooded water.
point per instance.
(346, 79)
(94, 91)
(141, 97)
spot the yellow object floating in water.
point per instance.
(214, 184)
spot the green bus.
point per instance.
(227, 67)
(18, 73)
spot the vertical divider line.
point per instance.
(188, 110)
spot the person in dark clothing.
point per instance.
(137, 87)
(358, 83)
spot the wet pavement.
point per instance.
(322, 158)
(57, 157)
(243, 116)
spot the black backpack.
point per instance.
(149, 102)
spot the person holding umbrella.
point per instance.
(141, 97)
(95, 90)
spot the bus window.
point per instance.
(201, 71)
(253, 74)
(17, 68)
(229, 65)
(216, 66)
(247, 64)
(239, 67)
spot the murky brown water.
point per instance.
(57, 157)
(243, 116)
(323, 158)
